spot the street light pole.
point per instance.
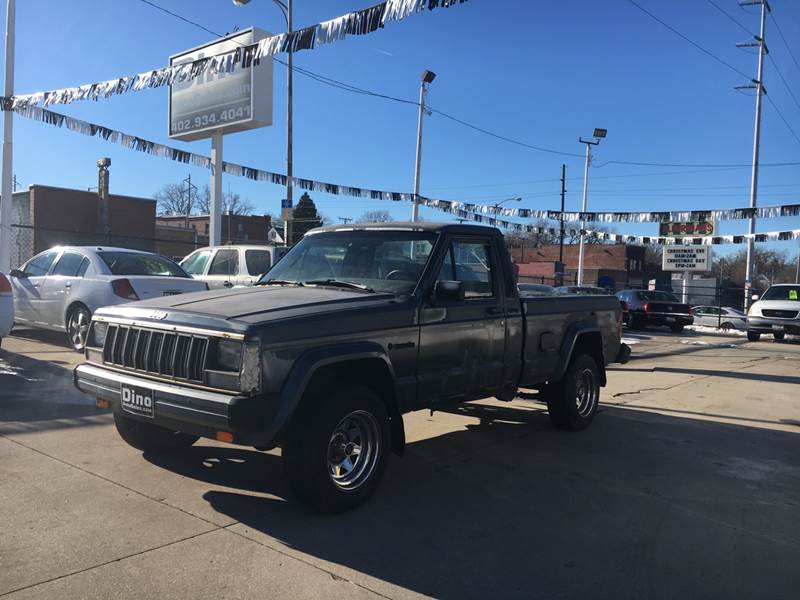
(598, 135)
(427, 77)
(6, 189)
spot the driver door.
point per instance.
(28, 288)
(462, 343)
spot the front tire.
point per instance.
(676, 328)
(78, 321)
(336, 453)
(753, 336)
(572, 402)
(151, 438)
(778, 336)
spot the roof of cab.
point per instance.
(456, 228)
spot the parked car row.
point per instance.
(61, 288)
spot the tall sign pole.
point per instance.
(759, 86)
(215, 204)
(6, 191)
(427, 77)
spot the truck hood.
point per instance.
(247, 306)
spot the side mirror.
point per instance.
(17, 273)
(754, 297)
(445, 292)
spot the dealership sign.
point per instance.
(679, 229)
(236, 100)
(686, 258)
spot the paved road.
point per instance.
(686, 485)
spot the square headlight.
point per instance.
(99, 331)
(229, 355)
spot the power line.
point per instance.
(177, 16)
(780, 114)
(692, 42)
(724, 12)
(783, 79)
(785, 43)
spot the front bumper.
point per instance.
(772, 325)
(180, 408)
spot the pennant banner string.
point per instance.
(477, 213)
(355, 23)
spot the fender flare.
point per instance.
(573, 333)
(310, 362)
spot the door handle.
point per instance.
(227, 284)
(495, 310)
(68, 285)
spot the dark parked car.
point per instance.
(583, 290)
(655, 307)
(354, 327)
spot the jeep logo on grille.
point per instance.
(158, 315)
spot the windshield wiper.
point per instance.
(278, 282)
(340, 283)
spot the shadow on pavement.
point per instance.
(639, 505)
(744, 375)
(46, 336)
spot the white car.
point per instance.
(61, 288)
(6, 307)
(725, 317)
(232, 266)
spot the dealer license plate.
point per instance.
(669, 319)
(777, 328)
(137, 401)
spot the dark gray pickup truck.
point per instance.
(354, 327)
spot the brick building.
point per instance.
(46, 216)
(610, 264)
(236, 229)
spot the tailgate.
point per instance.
(669, 307)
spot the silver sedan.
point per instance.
(725, 317)
(62, 287)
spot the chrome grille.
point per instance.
(164, 353)
(780, 314)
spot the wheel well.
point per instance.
(72, 307)
(369, 372)
(591, 343)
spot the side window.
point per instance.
(258, 261)
(83, 267)
(68, 264)
(40, 265)
(196, 263)
(226, 262)
(470, 263)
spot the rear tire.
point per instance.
(336, 452)
(726, 327)
(572, 402)
(676, 328)
(778, 336)
(637, 321)
(151, 438)
(753, 336)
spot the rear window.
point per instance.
(657, 296)
(783, 292)
(258, 261)
(134, 263)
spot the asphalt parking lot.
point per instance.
(686, 485)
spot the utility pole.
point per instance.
(6, 194)
(345, 220)
(189, 203)
(561, 232)
(598, 135)
(758, 85)
(797, 270)
(103, 209)
(427, 77)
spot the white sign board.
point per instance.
(686, 258)
(238, 100)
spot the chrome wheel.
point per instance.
(586, 392)
(353, 450)
(78, 328)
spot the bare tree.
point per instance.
(232, 203)
(375, 216)
(174, 199)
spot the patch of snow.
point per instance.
(630, 341)
(714, 330)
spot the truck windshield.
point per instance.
(381, 260)
(782, 292)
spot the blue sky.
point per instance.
(541, 72)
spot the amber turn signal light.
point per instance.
(225, 436)
(102, 403)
